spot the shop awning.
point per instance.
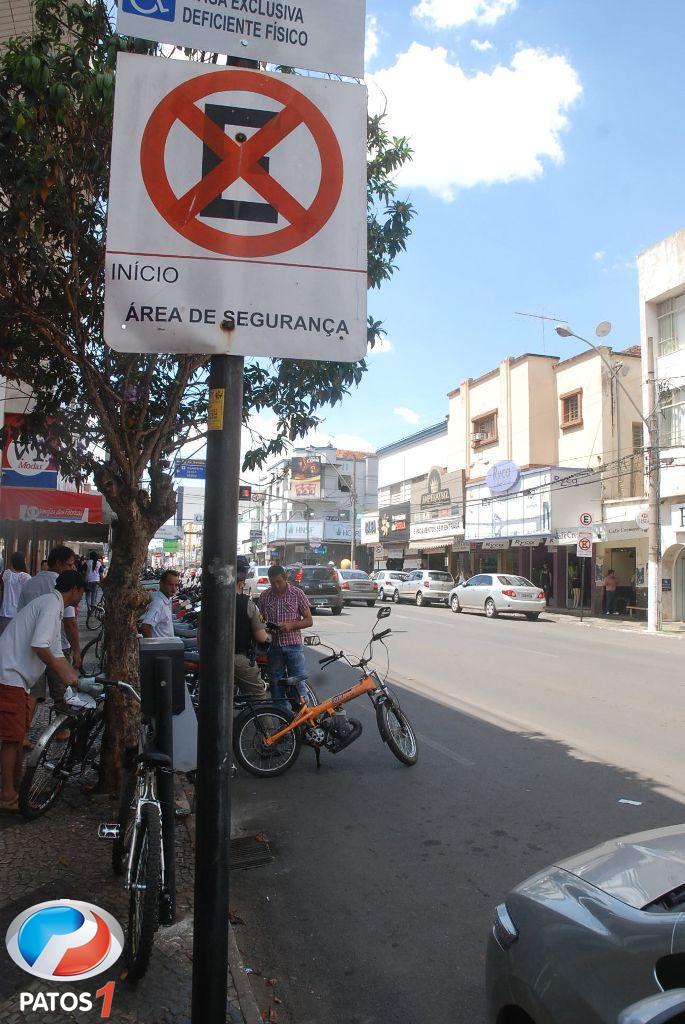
(434, 545)
(42, 505)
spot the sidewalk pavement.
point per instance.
(59, 856)
(623, 623)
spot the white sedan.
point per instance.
(497, 593)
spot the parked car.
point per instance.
(388, 580)
(358, 586)
(425, 586)
(321, 585)
(583, 938)
(257, 581)
(497, 593)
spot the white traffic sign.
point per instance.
(322, 35)
(585, 518)
(584, 546)
(237, 213)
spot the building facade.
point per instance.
(662, 323)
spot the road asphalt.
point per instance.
(378, 903)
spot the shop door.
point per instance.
(679, 588)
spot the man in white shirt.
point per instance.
(30, 644)
(60, 559)
(158, 620)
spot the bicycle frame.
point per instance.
(147, 794)
(308, 714)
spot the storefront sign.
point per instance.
(678, 517)
(495, 545)
(434, 529)
(394, 522)
(666, 585)
(26, 504)
(527, 542)
(370, 534)
(21, 464)
(169, 533)
(460, 546)
(502, 477)
(437, 494)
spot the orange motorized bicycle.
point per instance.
(267, 738)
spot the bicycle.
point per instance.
(96, 612)
(67, 747)
(138, 851)
(92, 655)
(267, 739)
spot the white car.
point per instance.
(497, 593)
(257, 581)
(426, 586)
(388, 581)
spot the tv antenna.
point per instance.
(541, 317)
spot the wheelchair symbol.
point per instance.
(162, 10)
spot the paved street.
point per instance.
(378, 903)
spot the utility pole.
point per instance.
(654, 528)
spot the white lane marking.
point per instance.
(445, 751)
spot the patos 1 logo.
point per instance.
(65, 940)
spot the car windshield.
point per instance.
(397, 575)
(514, 581)
(354, 574)
(444, 577)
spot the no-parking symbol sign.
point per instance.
(237, 213)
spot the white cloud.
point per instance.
(406, 414)
(371, 39)
(468, 130)
(482, 47)
(599, 255)
(382, 346)
(454, 13)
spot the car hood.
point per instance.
(635, 869)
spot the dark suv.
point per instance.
(320, 584)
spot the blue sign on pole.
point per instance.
(191, 469)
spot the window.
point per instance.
(441, 577)
(344, 483)
(572, 409)
(484, 429)
(638, 438)
(671, 318)
(673, 425)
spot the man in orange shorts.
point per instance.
(30, 644)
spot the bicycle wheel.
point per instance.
(95, 617)
(126, 820)
(252, 753)
(396, 731)
(91, 656)
(144, 895)
(44, 780)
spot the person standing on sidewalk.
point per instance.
(286, 607)
(609, 583)
(11, 585)
(61, 559)
(158, 619)
(29, 646)
(93, 567)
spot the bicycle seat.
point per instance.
(155, 758)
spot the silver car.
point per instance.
(358, 586)
(388, 581)
(578, 942)
(426, 586)
(497, 593)
(257, 581)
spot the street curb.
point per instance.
(248, 1003)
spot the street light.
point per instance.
(652, 425)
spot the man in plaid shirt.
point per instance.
(285, 606)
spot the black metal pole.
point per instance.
(164, 737)
(215, 713)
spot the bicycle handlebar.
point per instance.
(379, 636)
(121, 684)
(330, 659)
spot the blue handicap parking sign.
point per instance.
(163, 10)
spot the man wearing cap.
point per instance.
(30, 645)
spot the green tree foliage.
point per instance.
(112, 416)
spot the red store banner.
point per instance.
(41, 505)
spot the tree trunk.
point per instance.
(125, 600)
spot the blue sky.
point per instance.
(548, 154)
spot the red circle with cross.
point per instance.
(584, 543)
(240, 160)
